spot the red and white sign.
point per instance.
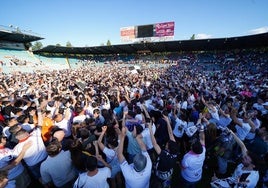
(127, 34)
(164, 29)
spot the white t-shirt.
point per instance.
(147, 137)
(148, 104)
(106, 106)
(139, 117)
(179, 128)
(97, 181)
(141, 91)
(214, 113)
(243, 131)
(89, 110)
(192, 166)
(134, 179)
(252, 178)
(184, 105)
(251, 135)
(6, 156)
(65, 125)
(51, 109)
(37, 152)
(80, 118)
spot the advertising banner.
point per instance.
(164, 29)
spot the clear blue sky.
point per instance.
(92, 22)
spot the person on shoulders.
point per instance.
(166, 157)
(192, 162)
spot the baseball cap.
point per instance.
(139, 162)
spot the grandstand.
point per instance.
(14, 56)
(13, 53)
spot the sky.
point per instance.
(94, 22)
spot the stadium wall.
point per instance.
(12, 45)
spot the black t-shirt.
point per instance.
(161, 133)
(166, 161)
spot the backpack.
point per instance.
(223, 146)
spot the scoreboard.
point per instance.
(145, 31)
(158, 30)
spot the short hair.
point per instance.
(84, 133)
(2, 136)
(16, 110)
(31, 109)
(197, 147)
(22, 118)
(173, 147)
(94, 104)
(3, 175)
(20, 133)
(18, 103)
(138, 110)
(79, 109)
(91, 163)
(139, 162)
(9, 119)
(131, 113)
(139, 129)
(112, 141)
(14, 129)
(89, 120)
(53, 148)
(55, 129)
(96, 111)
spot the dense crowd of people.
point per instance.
(166, 126)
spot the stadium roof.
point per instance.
(243, 42)
(13, 35)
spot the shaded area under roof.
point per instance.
(12, 36)
(242, 42)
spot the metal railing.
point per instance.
(15, 29)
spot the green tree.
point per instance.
(37, 46)
(108, 43)
(68, 44)
(28, 45)
(192, 37)
(58, 45)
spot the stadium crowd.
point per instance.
(169, 126)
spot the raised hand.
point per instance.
(104, 128)
(165, 118)
(99, 157)
(95, 143)
(123, 132)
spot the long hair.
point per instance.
(212, 131)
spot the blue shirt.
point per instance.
(58, 169)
